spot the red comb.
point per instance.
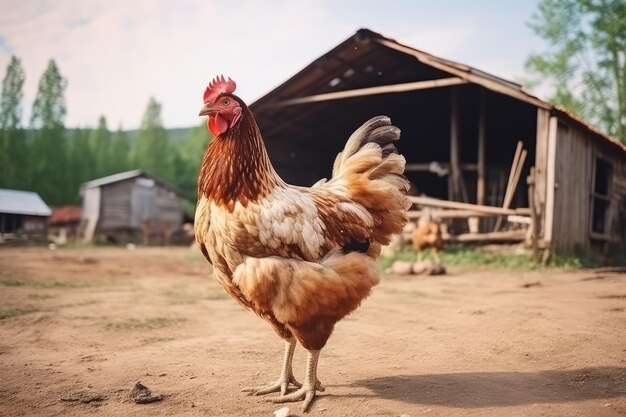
(218, 86)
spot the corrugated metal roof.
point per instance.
(112, 178)
(22, 202)
(125, 176)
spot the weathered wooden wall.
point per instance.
(169, 207)
(574, 157)
(115, 205)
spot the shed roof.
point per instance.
(66, 215)
(99, 182)
(368, 59)
(23, 202)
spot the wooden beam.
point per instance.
(550, 180)
(461, 214)
(426, 166)
(516, 169)
(457, 191)
(481, 161)
(369, 91)
(504, 236)
(467, 74)
(434, 202)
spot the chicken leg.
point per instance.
(311, 384)
(286, 374)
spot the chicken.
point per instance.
(300, 258)
(427, 234)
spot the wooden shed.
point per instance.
(23, 216)
(131, 206)
(460, 130)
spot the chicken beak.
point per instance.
(206, 109)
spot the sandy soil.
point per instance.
(89, 324)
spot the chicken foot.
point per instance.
(286, 374)
(311, 384)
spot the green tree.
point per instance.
(13, 150)
(100, 139)
(49, 174)
(152, 150)
(119, 152)
(188, 163)
(81, 161)
(586, 61)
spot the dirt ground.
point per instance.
(81, 327)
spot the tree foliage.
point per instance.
(13, 148)
(152, 151)
(48, 159)
(100, 139)
(118, 154)
(55, 162)
(586, 61)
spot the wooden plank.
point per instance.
(481, 160)
(426, 166)
(541, 161)
(503, 236)
(499, 86)
(550, 175)
(457, 191)
(370, 91)
(434, 202)
(516, 171)
(534, 226)
(461, 214)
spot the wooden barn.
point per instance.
(128, 207)
(469, 138)
(23, 216)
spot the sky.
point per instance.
(116, 54)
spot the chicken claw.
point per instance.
(286, 374)
(311, 385)
(281, 385)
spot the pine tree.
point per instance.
(81, 161)
(188, 164)
(100, 139)
(119, 152)
(13, 149)
(152, 150)
(48, 162)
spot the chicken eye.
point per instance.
(226, 102)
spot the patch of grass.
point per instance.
(471, 256)
(145, 324)
(39, 296)
(17, 311)
(216, 295)
(43, 283)
(150, 340)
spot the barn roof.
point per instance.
(369, 63)
(22, 202)
(122, 176)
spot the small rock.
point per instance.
(282, 412)
(142, 394)
(402, 268)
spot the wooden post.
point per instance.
(534, 226)
(480, 185)
(455, 192)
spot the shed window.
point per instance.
(603, 173)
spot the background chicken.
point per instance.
(427, 234)
(301, 258)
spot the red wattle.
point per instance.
(217, 125)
